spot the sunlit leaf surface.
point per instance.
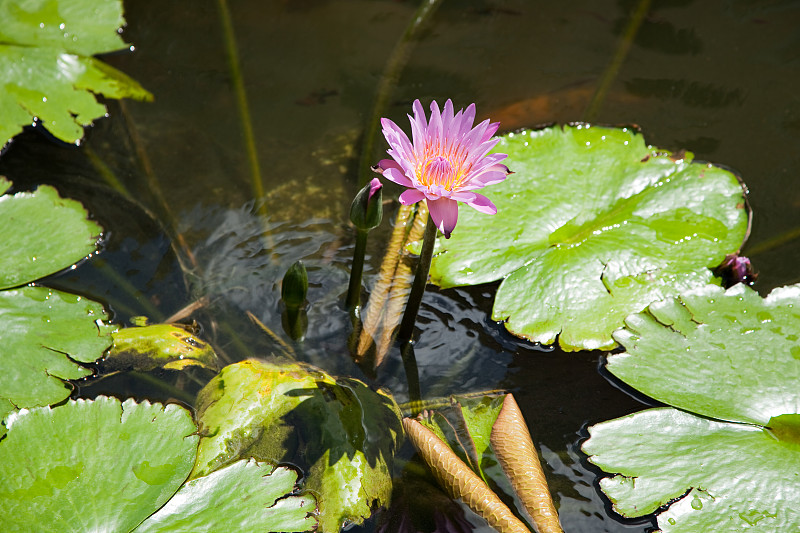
(731, 357)
(340, 432)
(169, 346)
(41, 233)
(594, 225)
(243, 497)
(95, 465)
(46, 69)
(44, 334)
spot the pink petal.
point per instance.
(467, 120)
(411, 196)
(444, 213)
(434, 132)
(419, 115)
(397, 176)
(483, 204)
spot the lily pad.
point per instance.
(726, 477)
(731, 357)
(245, 496)
(48, 71)
(339, 431)
(594, 226)
(97, 465)
(42, 233)
(44, 334)
(170, 346)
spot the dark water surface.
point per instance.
(718, 78)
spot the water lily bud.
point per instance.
(295, 285)
(366, 211)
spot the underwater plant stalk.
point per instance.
(388, 81)
(241, 98)
(418, 287)
(612, 70)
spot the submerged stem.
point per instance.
(612, 70)
(420, 280)
(388, 81)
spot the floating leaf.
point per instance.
(245, 496)
(169, 346)
(49, 73)
(44, 333)
(95, 465)
(727, 477)
(342, 433)
(459, 480)
(42, 233)
(593, 226)
(728, 355)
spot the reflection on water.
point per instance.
(718, 78)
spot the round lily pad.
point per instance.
(730, 355)
(727, 477)
(594, 225)
(95, 465)
(245, 496)
(339, 431)
(42, 233)
(49, 74)
(44, 334)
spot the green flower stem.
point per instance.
(354, 289)
(418, 288)
(412, 372)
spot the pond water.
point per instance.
(718, 78)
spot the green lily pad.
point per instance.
(44, 334)
(48, 71)
(593, 226)
(95, 465)
(339, 431)
(42, 233)
(170, 346)
(729, 356)
(245, 496)
(727, 477)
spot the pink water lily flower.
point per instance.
(446, 162)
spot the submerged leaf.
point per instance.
(97, 465)
(339, 431)
(41, 233)
(593, 226)
(169, 346)
(726, 355)
(519, 459)
(49, 73)
(459, 480)
(243, 497)
(44, 334)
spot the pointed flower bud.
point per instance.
(366, 211)
(295, 285)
